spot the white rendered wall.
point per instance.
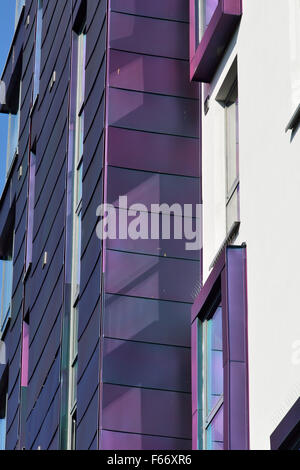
(268, 49)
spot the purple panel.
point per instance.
(145, 411)
(151, 277)
(237, 304)
(124, 441)
(87, 427)
(151, 188)
(238, 407)
(209, 285)
(169, 9)
(153, 152)
(167, 248)
(140, 111)
(236, 374)
(88, 342)
(151, 365)
(151, 74)
(219, 31)
(149, 36)
(146, 320)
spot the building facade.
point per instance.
(143, 108)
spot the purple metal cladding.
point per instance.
(147, 188)
(166, 248)
(146, 320)
(160, 367)
(143, 112)
(168, 9)
(205, 58)
(124, 441)
(237, 400)
(151, 276)
(285, 430)
(151, 74)
(149, 36)
(153, 152)
(144, 411)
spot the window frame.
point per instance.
(228, 279)
(206, 55)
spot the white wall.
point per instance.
(268, 49)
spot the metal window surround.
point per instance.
(205, 58)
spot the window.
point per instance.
(6, 276)
(219, 356)
(3, 403)
(212, 25)
(232, 157)
(80, 46)
(31, 199)
(205, 10)
(212, 366)
(38, 49)
(13, 132)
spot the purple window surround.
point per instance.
(205, 56)
(287, 434)
(229, 276)
(25, 355)
(31, 199)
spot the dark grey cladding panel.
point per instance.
(88, 342)
(88, 384)
(92, 168)
(42, 336)
(54, 156)
(61, 65)
(13, 402)
(48, 115)
(48, 239)
(93, 148)
(89, 297)
(88, 425)
(47, 358)
(46, 212)
(55, 21)
(89, 259)
(53, 134)
(96, 64)
(45, 279)
(48, 426)
(96, 30)
(41, 309)
(97, 123)
(12, 434)
(89, 219)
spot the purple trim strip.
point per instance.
(208, 286)
(236, 427)
(205, 59)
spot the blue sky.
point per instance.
(7, 20)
